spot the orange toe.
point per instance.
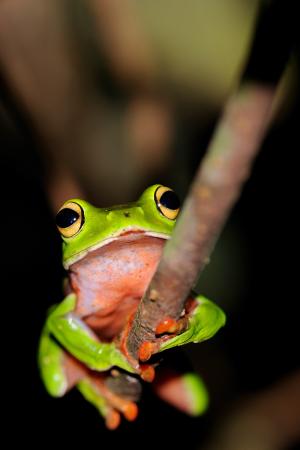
(113, 419)
(146, 350)
(172, 326)
(168, 325)
(147, 373)
(131, 411)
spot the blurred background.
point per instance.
(99, 99)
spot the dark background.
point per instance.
(259, 345)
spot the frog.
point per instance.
(110, 255)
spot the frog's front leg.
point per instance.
(200, 324)
(80, 341)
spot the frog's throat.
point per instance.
(132, 232)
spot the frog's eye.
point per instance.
(69, 219)
(167, 202)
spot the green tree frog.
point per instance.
(110, 255)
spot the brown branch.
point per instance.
(220, 178)
(214, 191)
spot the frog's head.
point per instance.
(85, 228)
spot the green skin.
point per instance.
(101, 226)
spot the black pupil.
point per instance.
(66, 217)
(170, 200)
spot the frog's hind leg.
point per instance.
(59, 371)
(50, 360)
(91, 393)
(185, 391)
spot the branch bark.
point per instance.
(215, 189)
(220, 178)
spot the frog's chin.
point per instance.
(126, 235)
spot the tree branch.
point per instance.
(215, 189)
(219, 180)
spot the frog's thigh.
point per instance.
(59, 371)
(185, 391)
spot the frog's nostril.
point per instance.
(126, 214)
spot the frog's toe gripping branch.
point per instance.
(197, 326)
(203, 323)
(90, 393)
(109, 405)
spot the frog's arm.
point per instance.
(205, 320)
(80, 341)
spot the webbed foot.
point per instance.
(200, 321)
(109, 405)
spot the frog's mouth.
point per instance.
(128, 235)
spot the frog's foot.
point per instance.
(199, 321)
(164, 329)
(186, 391)
(168, 327)
(109, 404)
(146, 371)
